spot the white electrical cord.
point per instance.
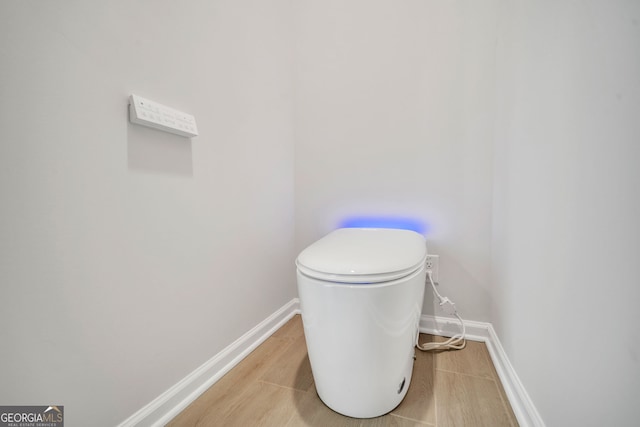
(456, 342)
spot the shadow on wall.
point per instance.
(151, 150)
(460, 285)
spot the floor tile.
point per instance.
(464, 400)
(264, 405)
(474, 360)
(224, 395)
(292, 368)
(503, 395)
(312, 412)
(292, 329)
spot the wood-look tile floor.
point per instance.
(273, 386)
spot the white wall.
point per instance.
(394, 116)
(567, 203)
(123, 250)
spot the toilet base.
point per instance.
(360, 340)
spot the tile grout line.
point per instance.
(491, 378)
(411, 419)
(282, 386)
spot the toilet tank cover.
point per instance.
(359, 255)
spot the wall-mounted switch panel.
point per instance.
(149, 113)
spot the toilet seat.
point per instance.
(363, 256)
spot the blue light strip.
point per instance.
(385, 222)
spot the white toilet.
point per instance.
(361, 292)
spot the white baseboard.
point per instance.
(520, 401)
(450, 326)
(170, 403)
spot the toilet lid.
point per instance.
(363, 255)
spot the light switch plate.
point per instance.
(148, 113)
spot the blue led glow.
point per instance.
(385, 222)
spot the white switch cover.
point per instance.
(149, 113)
